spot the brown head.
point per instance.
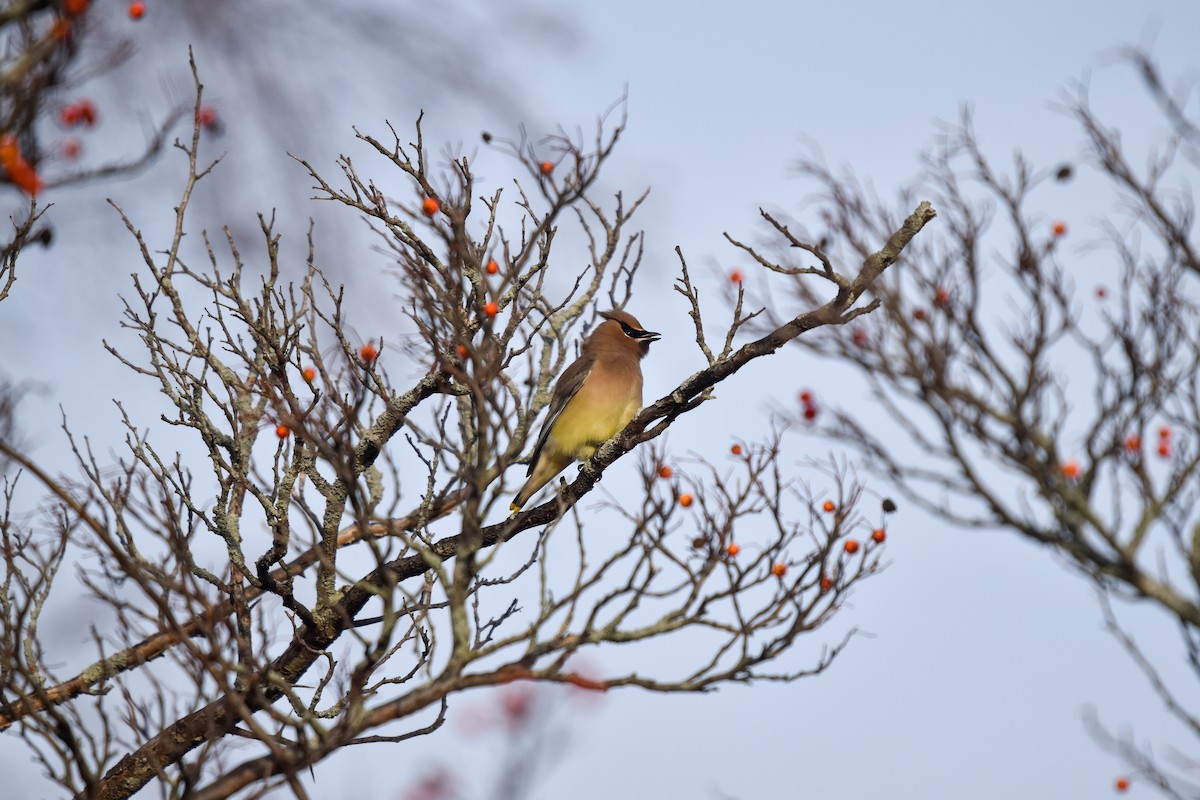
(621, 331)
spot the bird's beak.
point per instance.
(649, 336)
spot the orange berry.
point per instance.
(137, 9)
(685, 500)
(851, 546)
(368, 353)
(1164, 449)
(282, 431)
(430, 206)
(25, 177)
(1059, 228)
(779, 570)
(309, 374)
(733, 549)
(736, 276)
(1121, 784)
(61, 29)
(492, 267)
(942, 297)
(1070, 469)
(736, 449)
(829, 506)
(463, 352)
(879, 535)
(10, 151)
(490, 308)
(1133, 443)
(546, 167)
(825, 584)
(664, 471)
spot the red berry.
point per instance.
(942, 297)
(463, 352)
(75, 7)
(879, 535)
(1121, 784)
(430, 206)
(546, 167)
(282, 431)
(492, 267)
(806, 397)
(779, 570)
(919, 315)
(685, 500)
(1133, 443)
(736, 449)
(86, 111)
(1070, 469)
(490, 308)
(733, 549)
(137, 9)
(71, 148)
(851, 546)
(207, 117)
(664, 471)
(736, 276)
(825, 584)
(1101, 292)
(517, 703)
(309, 374)
(1164, 449)
(810, 413)
(1164, 432)
(859, 336)
(368, 353)
(828, 506)
(1059, 228)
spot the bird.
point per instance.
(593, 400)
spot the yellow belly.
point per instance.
(589, 420)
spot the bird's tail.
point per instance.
(523, 496)
(547, 465)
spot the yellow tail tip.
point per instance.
(513, 507)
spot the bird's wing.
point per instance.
(566, 388)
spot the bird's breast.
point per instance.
(598, 411)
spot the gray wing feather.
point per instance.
(566, 388)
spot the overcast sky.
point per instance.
(984, 652)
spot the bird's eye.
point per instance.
(629, 330)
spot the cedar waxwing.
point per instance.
(594, 399)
